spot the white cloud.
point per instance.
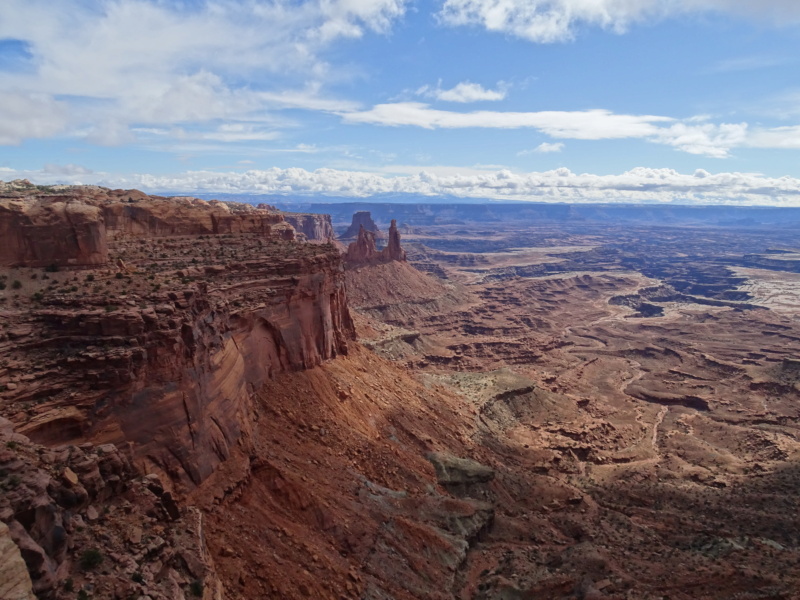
(27, 115)
(587, 125)
(778, 137)
(694, 135)
(547, 148)
(464, 92)
(749, 63)
(706, 139)
(559, 185)
(149, 62)
(548, 21)
(70, 170)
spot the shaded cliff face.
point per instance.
(164, 350)
(316, 228)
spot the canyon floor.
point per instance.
(635, 391)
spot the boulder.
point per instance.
(452, 470)
(15, 582)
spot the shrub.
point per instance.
(90, 277)
(53, 268)
(16, 285)
(110, 308)
(90, 559)
(196, 588)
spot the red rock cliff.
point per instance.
(164, 352)
(62, 232)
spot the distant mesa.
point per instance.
(362, 218)
(309, 227)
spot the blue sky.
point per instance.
(547, 100)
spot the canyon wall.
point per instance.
(161, 352)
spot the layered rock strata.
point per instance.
(162, 352)
(72, 225)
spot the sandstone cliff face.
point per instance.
(15, 582)
(174, 378)
(340, 501)
(163, 352)
(361, 219)
(316, 228)
(59, 232)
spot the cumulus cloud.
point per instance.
(559, 185)
(464, 92)
(548, 21)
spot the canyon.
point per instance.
(218, 400)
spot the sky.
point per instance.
(668, 101)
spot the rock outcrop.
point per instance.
(57, 232)
(393, 250)
(316, 228)
(15, 582)
(364, 250)
(72, 226)
(362, 218)
(68, 510)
